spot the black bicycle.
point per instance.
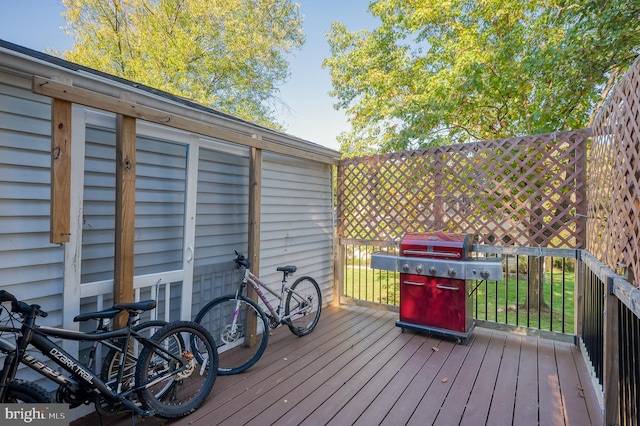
(175, 369)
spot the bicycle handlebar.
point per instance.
(20, 307)
(241, 261)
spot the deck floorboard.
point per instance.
(358, 368)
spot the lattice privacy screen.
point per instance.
(614, 176)
(526, 191)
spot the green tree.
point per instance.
(228, 54)
(437, 72)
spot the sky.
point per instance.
(310, 115)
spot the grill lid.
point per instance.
(436, 245)
(438, 254)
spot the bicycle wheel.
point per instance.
(238, 349)
(175, 382)
(26, 392)
(111, 362)
(303, 306)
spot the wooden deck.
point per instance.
(358, 368)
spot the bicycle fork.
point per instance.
(236, 312)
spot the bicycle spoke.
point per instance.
(303, 306)
(177, 379)
(240, 346)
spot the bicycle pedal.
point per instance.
(145, 414)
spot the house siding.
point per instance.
(222, 217)
(297, 220)
(160, 198)
(30, 266)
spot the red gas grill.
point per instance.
(435, 280)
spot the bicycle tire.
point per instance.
(26, 392)
(174, 389)
(111, 361)
(303, 296)
(236, 353)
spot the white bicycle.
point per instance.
(241, 327)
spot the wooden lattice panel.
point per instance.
(613, 179)
(527, 191)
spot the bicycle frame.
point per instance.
(39, 366)
(37, 336)
(255, 282)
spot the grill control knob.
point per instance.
(419, 269)
(484, 274)
(405, 267)
(432, 270)
(452, 272)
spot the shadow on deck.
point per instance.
(358, 368)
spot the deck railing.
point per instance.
(593, 283)
(629, 349)
(610, 337)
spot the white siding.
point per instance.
(297, 220)
(221, 223)
(160, 195)
(30, 266)
(160, 212)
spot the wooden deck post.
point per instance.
(338, 255)
(255, 195)
(125, 211)
(338, 270)
(60, 171)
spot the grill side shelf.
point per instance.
(384, 261)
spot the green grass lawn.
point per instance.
(499, 301)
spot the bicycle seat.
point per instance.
(287, 269)
(144, 305)
(107, 313)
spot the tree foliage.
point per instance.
(228, 54)
(437, 72)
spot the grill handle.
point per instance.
(413, 283)
(431, 253)
(447, 287)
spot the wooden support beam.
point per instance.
(77, 95)
(338, 270)
(338, 253)
(60, 171)
(255, 195)
(125, 211)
